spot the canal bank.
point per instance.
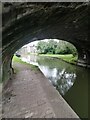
(68, 58)
(30, 95)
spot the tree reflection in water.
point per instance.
(65, 82)
(61, 79)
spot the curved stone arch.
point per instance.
(37, 21)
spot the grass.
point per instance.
(17, 59)
(68, 57)
(29, 53)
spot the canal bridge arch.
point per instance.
(26, 22)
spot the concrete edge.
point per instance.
(61, 108)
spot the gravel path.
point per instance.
(30, 95)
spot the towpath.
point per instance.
(31, 95)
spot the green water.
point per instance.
(71, 81)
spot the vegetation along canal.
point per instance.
(71, 81)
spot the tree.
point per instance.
(53, 47)
(42, 47)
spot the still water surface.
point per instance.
(71, 81)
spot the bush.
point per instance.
(53, 47)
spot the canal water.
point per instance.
(71, 81)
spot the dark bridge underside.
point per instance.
(27, 22)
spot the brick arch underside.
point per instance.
(24, 23)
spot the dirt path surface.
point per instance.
(30, 95)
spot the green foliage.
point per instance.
(53, 47)
(42, 47)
